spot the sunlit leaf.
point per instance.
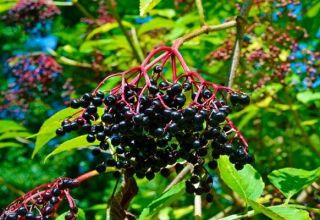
(9, 125)
(291, 180)
(164, 200)
(147, 5)
(49, 127)
(265, 211)
(78, 142)
(246, 182)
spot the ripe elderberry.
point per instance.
(42, 202)
(152, 122)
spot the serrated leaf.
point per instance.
(9, 135)
(9, 125)
(246, 182)
(81, 215)
(74, 143)
(290, 213)
(291, 180)
(164, 200)
(9, 144)
(49, 127)
(147, 5)
(114, 43)
(263, 210)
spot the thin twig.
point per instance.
(201, 12)
(70, 62)
(197, 206)
(82, 9)
(115, 14)
(11, 187)
(202, 30)
(179, 177)
(244, 11)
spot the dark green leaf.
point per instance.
(291, 180)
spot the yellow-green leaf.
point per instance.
(72, 144)
(147, 5)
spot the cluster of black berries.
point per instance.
(152, 126)
(31, 13)
(42, 202)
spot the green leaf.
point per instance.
(81, 215)
(106, 28)
(263, 210)
(164, 200)
(114, 43)
(156, 23)
(9, 135)
(246, 182)
(308, 96)
(313, 11)
(147, 5)
(9, 144)
(291, 180)
(168, 13)
(290, 213)
(74, 143)
(49, 127)
(9, 125)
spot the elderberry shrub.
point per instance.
(151, 126)
(42, 202)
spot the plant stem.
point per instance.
(82, 9)
(244, 11)
(87, 176)
(202, 30)
(70, 62)
(201, 12)
(115, 14)
(179, 177)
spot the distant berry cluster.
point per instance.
(103, 15)
(156, 118)
(33, 76)
(276, 52)
(42, 202)
(30, 13)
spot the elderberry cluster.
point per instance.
(33, 77)
(31, 13)
(42, 202)
(152, 127)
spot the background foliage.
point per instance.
(279, 68)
